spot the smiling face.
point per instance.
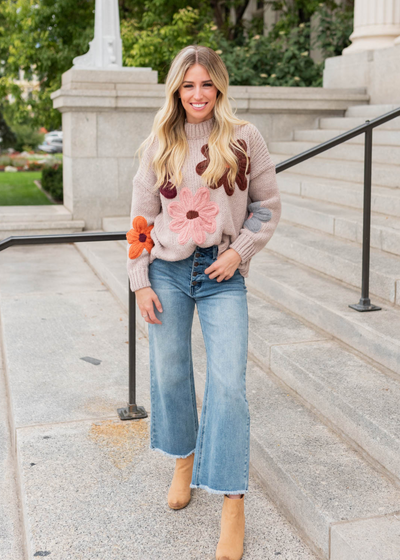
(198, 94)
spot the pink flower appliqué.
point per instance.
(193, 215)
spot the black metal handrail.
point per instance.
(132, 410)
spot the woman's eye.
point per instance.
(188, 86)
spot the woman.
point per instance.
(205, 200)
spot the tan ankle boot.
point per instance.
(230, 544)
(180, 492)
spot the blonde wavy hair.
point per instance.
(169, 124)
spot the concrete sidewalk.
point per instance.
(88, 484)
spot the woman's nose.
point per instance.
(197, 94)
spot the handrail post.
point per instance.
(132, 411)
(365, 303)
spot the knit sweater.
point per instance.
(169, 224)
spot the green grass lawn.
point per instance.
(18, 189)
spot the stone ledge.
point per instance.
(113, 91)
(98, 75)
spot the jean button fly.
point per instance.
(197, 254)
(194, 283)
(196, 264)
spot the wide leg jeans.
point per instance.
(221, 442)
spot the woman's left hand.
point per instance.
(225, 265)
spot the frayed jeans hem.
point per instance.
(212, 491)
(170, 454)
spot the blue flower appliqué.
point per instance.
(257, 215)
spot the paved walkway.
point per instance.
(90, 487)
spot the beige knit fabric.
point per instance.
(222, 225)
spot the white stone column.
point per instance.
(376, 25)
(105, 50)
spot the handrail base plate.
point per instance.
(132, 412)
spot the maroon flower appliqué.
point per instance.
(241, 179)
(166, 189)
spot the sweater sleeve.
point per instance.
(145, 207)
(264, 210)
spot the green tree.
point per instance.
(42, 38)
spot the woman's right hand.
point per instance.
(145, 298)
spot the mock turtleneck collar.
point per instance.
(199, 130)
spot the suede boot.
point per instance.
(230, 544)
(180, 492)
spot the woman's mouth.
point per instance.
(198, 106)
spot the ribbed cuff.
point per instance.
(244, 245)
(139, 278)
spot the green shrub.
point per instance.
(27, 138)
(281, 58)
(52, 181)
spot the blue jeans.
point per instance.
(222, 441)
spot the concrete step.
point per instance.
(355, 541)
(9, 229)
(384, 201)
(37, 220)
(338, 258)
(340, 221)
(380, 137)
(35, 213)
(324, 303)
(308, 470)
(353, 395)
(81, 469)
(347, 123)
(389, 155)
(315, 477)
(322, 168)
(357, 398)
(369, 111)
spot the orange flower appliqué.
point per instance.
(139, 237)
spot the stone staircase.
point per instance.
(37, 220)
(312, 268)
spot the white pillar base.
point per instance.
(369, 44)
(372, 37)
(377, 70)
